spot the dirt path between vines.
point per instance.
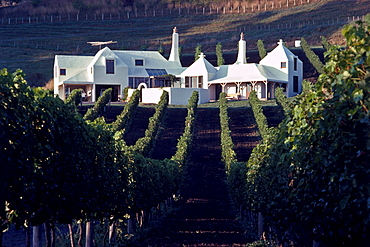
(205, 216)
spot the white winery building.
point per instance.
(151, 72)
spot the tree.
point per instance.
(180, 51)
(312, 175)
(75, 97)
(161, 49)
(198, 51)
(261, 49)
(219, 54)
(325, 43)
(312, 57)
(16, 141)
(99, 106)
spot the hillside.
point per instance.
(31, 40)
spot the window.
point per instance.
(283, 65)
(187, 81)
(200, 81)
(63, 72)
(109, 66)
(295, 84)
(139, 62)
(134, 82)
(295, 64)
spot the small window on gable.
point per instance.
(295, 64)
(139, 62)
(63, 71)
(283, 65)
(109, 65)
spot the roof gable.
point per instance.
(200, 67)
(106, 53)
(250, 72)
(280, 52)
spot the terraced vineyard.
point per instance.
(204, 216)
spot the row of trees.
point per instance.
(309, 177)
(59, 168)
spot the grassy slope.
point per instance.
(32, 46)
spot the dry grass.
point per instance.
(47, 7)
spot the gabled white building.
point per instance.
(279, 68)
(149, 69)
(115, 69)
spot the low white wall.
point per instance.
(177, 96)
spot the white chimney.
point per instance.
(242, 51)
(174, 55)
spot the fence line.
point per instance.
(154, 12)
(253, 31)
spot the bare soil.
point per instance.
(170, 131)
(139, 124)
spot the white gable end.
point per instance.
(201, 67)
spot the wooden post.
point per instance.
(260, 224)
(112, 233)
(129, 226)
(36, 236)
(70, 230)
(89, 234)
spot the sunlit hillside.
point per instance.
(33, 32)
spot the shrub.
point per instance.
(99, 105)
(75, 97)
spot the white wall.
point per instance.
(120, 76)
(177, 96)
